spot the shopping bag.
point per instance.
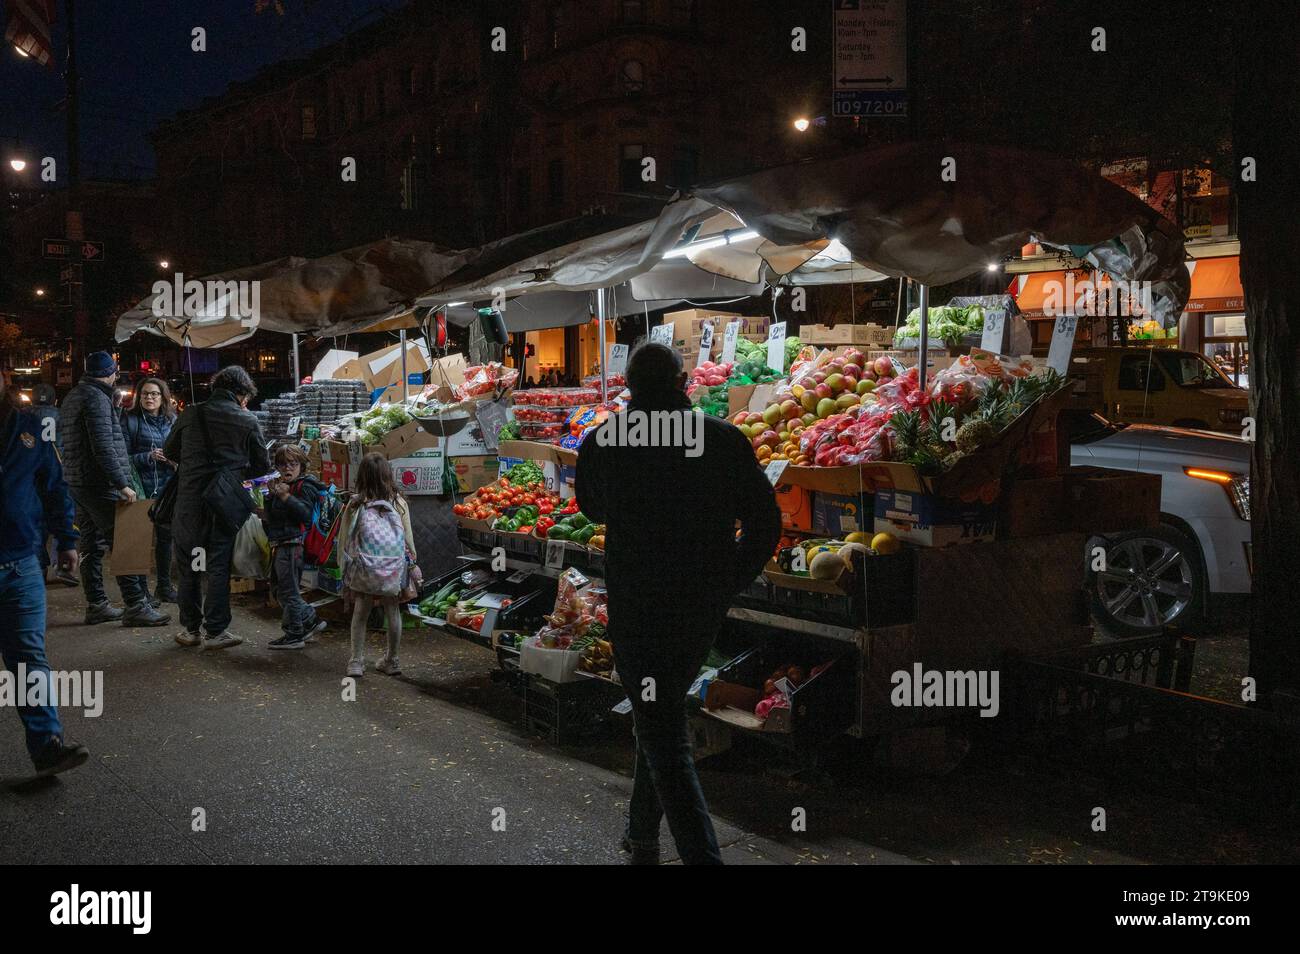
(133, 550)
(251, 558)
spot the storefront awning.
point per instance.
(1216, 285)
(1032, 292)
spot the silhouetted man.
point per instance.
(670, 483)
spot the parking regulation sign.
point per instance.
(870, 61)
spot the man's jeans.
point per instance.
(665, 782)
(162, 550)
(210, 612)
(286, 573)
(95, 516)
(22, 640)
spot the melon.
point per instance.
(825, 566)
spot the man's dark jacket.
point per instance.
(673, 561)
(288, 520)
(94, 450)
(236, 444)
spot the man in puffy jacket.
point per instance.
(219, 433)
(98, 472)
(673, 564)
(33, 500)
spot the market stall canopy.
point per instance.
(938, 212)
(332, 295)
(931, 212)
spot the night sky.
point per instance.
(136, 69)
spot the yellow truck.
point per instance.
(1145, 385)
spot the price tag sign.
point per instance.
(662, 334)
(776, 347)
(729, 337)
(354, 453)
(491, 417)
(554, 554)
(774, 470)
(617, 363)
(519, 576)
(1058, 353)
(995, 326)
(294, 423)
(706, 345)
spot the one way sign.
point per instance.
(92, 251)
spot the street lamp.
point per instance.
(164, 264)
(992, 266)
(40, 292)
(17, 165)
(802, 124)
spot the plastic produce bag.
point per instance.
(251, 558)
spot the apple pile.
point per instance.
(710, 374)
(814, 394)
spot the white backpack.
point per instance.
(376, 551)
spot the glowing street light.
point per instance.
(17, 165)
(992, 266)
(40, 292)
(802, 124)
(164, 264)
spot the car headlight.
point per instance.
(1236, 486)
(1239, 493)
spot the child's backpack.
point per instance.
(319, 542)
(376, 551)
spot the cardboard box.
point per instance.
(404, 441)
(796, 507)
(868, 335)
(382, 368)
(930, 521)
(474, 472)
(1033, 508)
(1100, 500)
(836, 514)
(421, 473)
(338, 464)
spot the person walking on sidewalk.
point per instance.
(219, 433)
(46, 407)
(376, 544)
(145, 428)
(98, 472)
(673, 564)
(33, 500)
(290, 504)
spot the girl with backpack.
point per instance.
(376, 545)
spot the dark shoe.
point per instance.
(641, 854)
(66, 578)
(102, 613)
(316, 628)
(59, 756)
(288, 642)
(155, 602)
(164, 593)
(142, 614)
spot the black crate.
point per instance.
(569, 712)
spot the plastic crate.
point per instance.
(567, 713)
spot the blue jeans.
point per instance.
(22, 640)
(665, 782)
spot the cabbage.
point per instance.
(395, 415)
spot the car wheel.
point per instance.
(1152, 579)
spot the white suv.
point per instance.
(1168, 574)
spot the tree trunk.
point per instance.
(1267, 131)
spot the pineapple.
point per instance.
(907, 431)
(939, 412)
(974, 434)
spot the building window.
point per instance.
(685, 171)
(555, 181)
(309, 122)
(632, 11)
(554, 25)
(632, 77)
(523, 195)
(629, 167)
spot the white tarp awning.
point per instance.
(332, 295)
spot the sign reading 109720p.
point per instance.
(870, 61)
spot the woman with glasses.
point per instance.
(146, 426)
